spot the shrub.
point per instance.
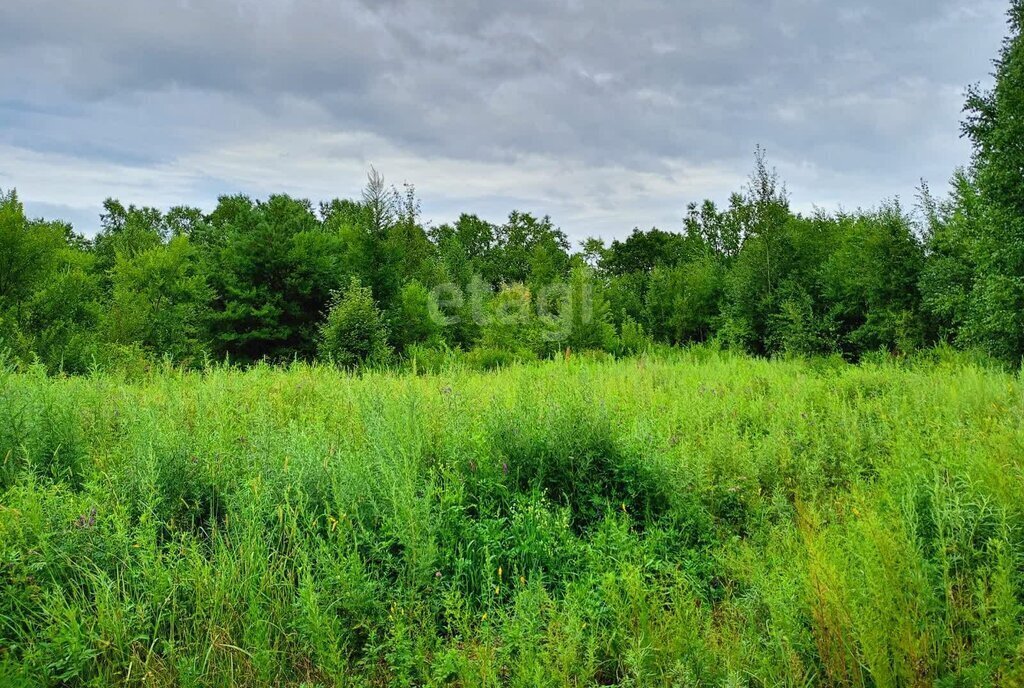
(632, 338)
(412, 321)
(574, 459)
(353, 333)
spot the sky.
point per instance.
(605, 115)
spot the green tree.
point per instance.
(632, 338)
(870, 281)
(29, 253)
(126, 231)
(413, 319)
(529, 250)
(948, 273)
(353, 332)
(463, 247)
(642, 252)
(511, 323)
(273, 269)
(995, 126)
(583, 318)
(64, 313)
(160, 300)
(684, 302)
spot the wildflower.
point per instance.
(522, 580)
(437, 575)
(499, 572)
(484, 617)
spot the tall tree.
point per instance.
(160, 301)
(273, 270)
(995, 126)
(28, 253)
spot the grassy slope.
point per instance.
(701, 520)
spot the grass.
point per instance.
(684, 519)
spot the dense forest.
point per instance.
(366, 281)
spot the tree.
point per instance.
(160, 301)
(870, 281)
(950, 266)
(995, 125)
(413, 320)
(407, 247)
(63, 315)
(764, 213)
(529, 250)
(126, 231)
(762, 221)
(512, 323)
(641, 252)
(466, 248)
(632, 338)
(353, 332)
(719, 232)
(273, 270)
(684, 302)
(29, 253)
(584, 317)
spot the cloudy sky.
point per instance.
(604, 114)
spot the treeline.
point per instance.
(366, 281)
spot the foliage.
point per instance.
(414, 319)
(252, 280)
(777, 523)
(583, 318)
(512, 323)
(354, 333)
(161, 301)
(995, 314)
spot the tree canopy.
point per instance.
(280, 279)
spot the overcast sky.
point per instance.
(604, 115)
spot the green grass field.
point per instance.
(685, 519)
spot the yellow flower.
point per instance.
(484, 617)
(499, 572)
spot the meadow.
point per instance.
(691, 518)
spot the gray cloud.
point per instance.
(603, 102)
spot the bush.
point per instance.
(412, 321)
(354, 334)
(575, 460)
(584, 320)
(632, 338)
(512, 323)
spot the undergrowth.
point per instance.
(681, 519)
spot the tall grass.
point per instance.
(681, 519)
